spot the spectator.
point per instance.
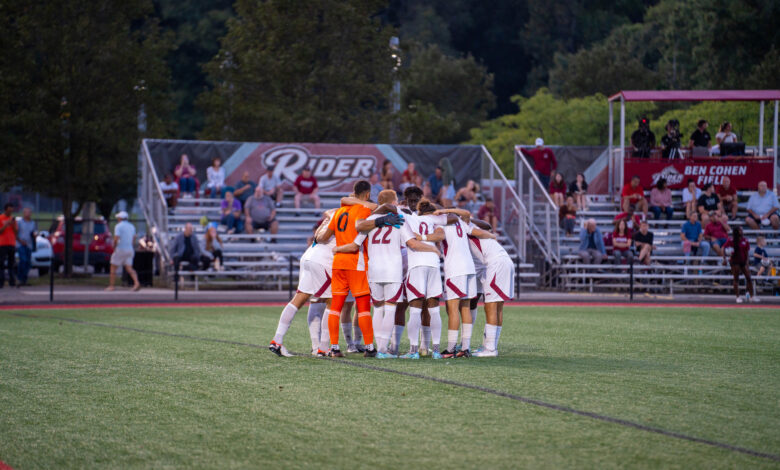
(557, 189)
(215, 177)
(260, 213)
(632, 219)
(427, 191)
(643, 241)
(544, 161)
(643, 139)
(376, 187)
(186, 248)
(740, 247)
(272, 186)
(306, 186)
(661, 200)
(244, 188)
(567, 216)
(124, 251)
(716, 230)
(437, 185)
(692, 237)
(185, 176)
(8, 233)
(230, 211)
(213, 249)
(579, 189)
(690, 198)
(170, 191)
(725, 135)
(388, 174)
(410, 175)
(634, 194)
(591, 244)
(671, 140)
(700, 137)
(728, 197)
(709, 201)
(468, 194)
(448, 180)
(762, 208)
(760, 257)
(488, 213)
(621, 243)
(25, 243)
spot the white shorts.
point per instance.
(314, 279)
(499, 281)
(481, 273)
(392, 292)
(423, 282)
(460, 287)
(122, 258)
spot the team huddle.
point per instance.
(388, 254)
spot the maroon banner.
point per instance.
(745, 172)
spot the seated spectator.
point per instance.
(567, 216)
(170, 191)
(634, 194)
(621, 243)
(437, 185)
(591, 244)
(244, 188)
(260, 213)
(427, 191)
(405, 183)
(306, 186)
(643, 241)
(186, 248)
(632, 219)
(215, 178)
(690, 198)
(448, 180)
(185, 176)
(213, 249)
(467, 195)
(725, 135)
(579, 189)
(762, 208)
(692, 236)
(700, 137)
(388, 175)
(709, 201)
(760, 257)
(272, 186)
(728, 197)
(376, 187)
(488, 213)
(544, 161)
(410, 175)
(661, 200)
(558, 189)
(230, 212)
(716, 230)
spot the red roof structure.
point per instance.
(697, 95)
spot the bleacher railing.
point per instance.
(154, 206)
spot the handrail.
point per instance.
(546, 193)
(154, 205)
(156, 178)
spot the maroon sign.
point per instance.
(745, 172)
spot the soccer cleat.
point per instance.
(360, 348)
(486, 353)
(335, 353)
(352, 349)
(286, 353)
(478, 350)
(740, 300)
(755, 299)
(370, 353)
(321, 353)
(314, 352)
(436, 355)
(381, 355)
(457, 349)
(275, 348)
(423, 352)
(463, 353)
(411, 355)
(447, 354)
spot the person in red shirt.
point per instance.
(716, 230)
(558, 189)
(621, 243)
(410, 175)
(633, 220)
(488, 213)
(728, 196)
(544, 162)
(306, 186)
(740, 248)
(633, 194)
(8, 231)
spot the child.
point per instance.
(760, 257)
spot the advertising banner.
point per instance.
(745, 172)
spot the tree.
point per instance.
(74, 76)
(301, 71)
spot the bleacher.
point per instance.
(669, 272)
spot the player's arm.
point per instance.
(385, 209)
(348, 248)
(392, 219)
(482, 224)
(353, 201)
(479, 233)
(420, 246)
(324, 231)
(462, 213)
(436, 236)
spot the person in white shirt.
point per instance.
(215, 178)
(124, 241)
(170, 190)
(272, 185)
(690, 197)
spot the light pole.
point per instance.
(395, 95)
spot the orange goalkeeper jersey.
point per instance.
(343, 226)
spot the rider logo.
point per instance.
(330, 170)
(670, 174)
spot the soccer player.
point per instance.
(349, 269)
(739, 248)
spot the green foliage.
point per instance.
(743, 116)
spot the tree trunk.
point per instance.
(67, 255)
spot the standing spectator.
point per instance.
(488, 213)
(621, 243)
(448, 180)
(388, 174)
(670, 142)
(25, 243)
(728, 197)
(579, 189)
(643, 139)
(558, 189)
(244, 188)
(230, 211)
(213, 249)
(591, 244)
(185, 176)
(272, 186)
(185, 247)
(725, 135)
(437, 185)
(215, 177)
(762, 208)
(124, 243)
(739, 259)
(260, 213)
(716, 230)
(690, 198)
(643, 241)
(692, 236)
(376, 187)
(306, 186)
(170, 191)
(760, 256)
(410, 174)
(709, 201)
(544, 161)
(567, 216)
(8, 232)
(634, 194)
(661, 200)
(700, 137)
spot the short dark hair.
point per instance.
(425, 207)
(361, 186)
(7, 205)
(636, 177)
(488, 199)
(701, 122)
(413, 192)
(706, 186)
(690, 180)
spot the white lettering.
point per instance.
(363, 168)
(324, 167)
(343, 167)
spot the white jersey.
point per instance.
(384, 253)
(421, 225)
(457, 261)
(486, 250)
(321, 253)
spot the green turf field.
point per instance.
(75, 395)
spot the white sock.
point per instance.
(346, 328)
(358, 332)
(498, 335)
(288, 313)
(426, 336)
(315, 323)
(324, 332)
(452, 339)
(490, 337)
(435, 327)
(386, 328)
(413, 326)
(466, 337)
(398, 332)
(376, 320)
